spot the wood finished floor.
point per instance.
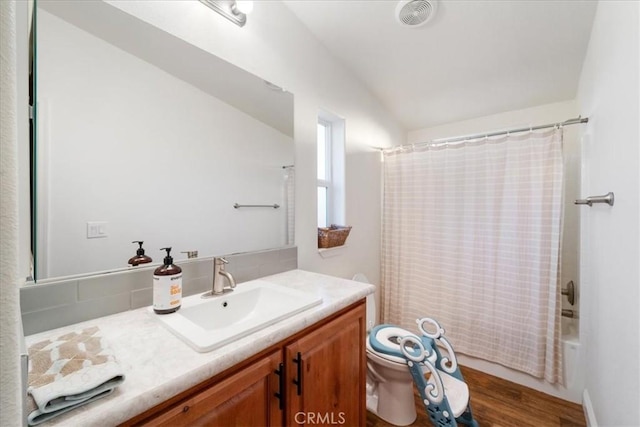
(500, 403)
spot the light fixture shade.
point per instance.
(244, 6)
(228, 9)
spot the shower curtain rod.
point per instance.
(458, 139)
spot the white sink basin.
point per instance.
(206, 324)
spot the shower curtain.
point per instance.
(471, 237)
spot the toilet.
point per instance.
(389, 382)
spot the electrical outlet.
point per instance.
(96, 229)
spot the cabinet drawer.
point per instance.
(245, 398)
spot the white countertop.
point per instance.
(158, 365)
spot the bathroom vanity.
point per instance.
(319, 372)
(311, 364)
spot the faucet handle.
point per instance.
(224, 260)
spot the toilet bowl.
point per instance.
(389, 382)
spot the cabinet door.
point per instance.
(326, 372)
(243, 399)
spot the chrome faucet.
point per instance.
(218, 283)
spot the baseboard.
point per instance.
(587, 407)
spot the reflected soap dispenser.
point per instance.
(167, 286)
(140, 257)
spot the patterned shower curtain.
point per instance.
(471, 237)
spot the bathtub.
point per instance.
(572, 364)
(571, 357)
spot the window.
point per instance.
(324, 173)
(330, 167)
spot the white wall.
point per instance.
(24, 182)
(277, 47)
(156, 158)
(550, 113)
(10, 402)
(609, 94)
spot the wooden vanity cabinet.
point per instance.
(327, 372)
(316, 377)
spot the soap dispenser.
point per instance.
(167, 286)
(140, 257)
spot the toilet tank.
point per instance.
(371, 302)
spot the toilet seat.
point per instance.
(386, 357)
(383, 340)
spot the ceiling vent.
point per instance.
(415, 13)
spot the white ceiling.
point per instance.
(473, 59)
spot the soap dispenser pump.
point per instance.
(140, 257)
(167, 286)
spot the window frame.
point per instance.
(327, 182)
(335, 158)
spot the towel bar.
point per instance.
(274, 206)
(607, 198)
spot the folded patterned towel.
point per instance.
(69, 371)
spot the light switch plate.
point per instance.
(96, 229)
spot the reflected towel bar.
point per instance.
(607, 198)
(274, 206)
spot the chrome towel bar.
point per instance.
(274, 206)
(607, 198)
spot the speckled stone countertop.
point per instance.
(158, 365)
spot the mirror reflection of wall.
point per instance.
(148, 156)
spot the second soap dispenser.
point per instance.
(167, 286)
(140, 257)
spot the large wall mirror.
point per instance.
(142, 136)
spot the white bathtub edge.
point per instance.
(587, 407)
(573, 368)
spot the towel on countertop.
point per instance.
(69, 371)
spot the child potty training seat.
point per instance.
(445, 394)
(386, 338)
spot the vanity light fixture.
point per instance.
(274, 87)
(234, 10)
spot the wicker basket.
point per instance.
(329, 237)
